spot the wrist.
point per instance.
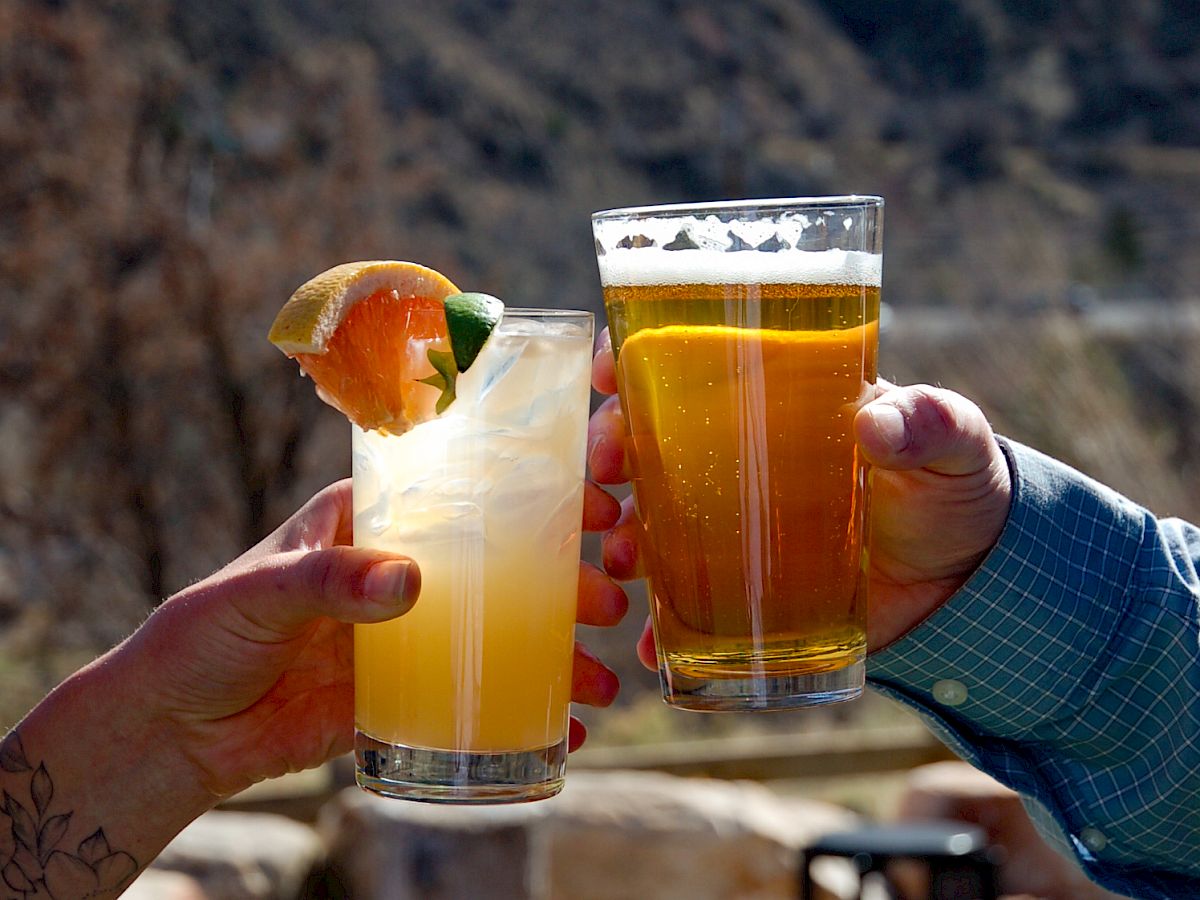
(153, 733)
(93, 784)
(158, 722)
(132, 741)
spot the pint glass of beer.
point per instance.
(746, 336)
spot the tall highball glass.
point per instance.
(465, 698)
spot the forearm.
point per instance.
(94, 787)
(1066, 668)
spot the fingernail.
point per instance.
(891, 426)
(612, 687)
(387, 581)
(617, 555)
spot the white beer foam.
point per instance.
(653, 265)
(713, 262)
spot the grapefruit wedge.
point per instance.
(384, 340)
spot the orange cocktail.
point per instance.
(465, 697)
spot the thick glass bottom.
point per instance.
(458, 776)
(761, 692)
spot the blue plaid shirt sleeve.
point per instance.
(1068, 668)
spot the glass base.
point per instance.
(458, 776)
(762, 692)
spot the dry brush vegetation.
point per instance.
(172, 171)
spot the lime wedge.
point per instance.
(470, 320)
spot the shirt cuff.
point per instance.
(1014, 646)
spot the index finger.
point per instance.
(604, 370)
(327, 520)
(606, 444)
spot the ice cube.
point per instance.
(375, 518)
(436, 489)
(439, 523)
(518, 497)
(564, 521)
(494, 363)
(372, 487)
(525, 390)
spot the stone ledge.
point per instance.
(608, 835)
(236, 856)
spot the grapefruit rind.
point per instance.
(313, 313)
(307, 328)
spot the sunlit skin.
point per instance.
(265, 645)
(245, 675)
(941, 496)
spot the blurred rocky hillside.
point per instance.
(171, 171)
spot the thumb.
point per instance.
(922, 427)
(285, 592)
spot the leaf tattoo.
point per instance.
(94, 847)
(53, 831)
(16, 879)
(65, 869)
(12, 754)
(42, 790)
(23, 828)
(40, 866)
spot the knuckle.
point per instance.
(325, 573)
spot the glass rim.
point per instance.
(548, 312)
(670, 210)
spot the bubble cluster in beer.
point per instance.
(715, 261)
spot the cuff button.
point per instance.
(1093, 839)
(949, 692)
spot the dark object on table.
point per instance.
(951, 860)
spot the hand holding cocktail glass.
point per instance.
(252, 667)
(469, 423)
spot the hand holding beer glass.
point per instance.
(746, 336)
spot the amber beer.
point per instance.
(739, 373)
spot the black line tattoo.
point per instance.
(35, 862)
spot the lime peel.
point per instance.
(470, 320)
